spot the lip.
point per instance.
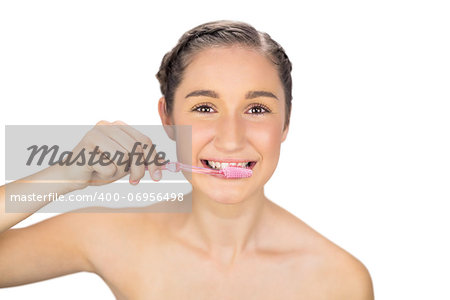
(229, 160)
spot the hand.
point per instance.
(113, 139)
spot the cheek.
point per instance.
(267, 142)
(201, 135)
(201, 132)
(266, 138)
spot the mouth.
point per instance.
(218, 164)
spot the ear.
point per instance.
(165, 118)
(285, 132)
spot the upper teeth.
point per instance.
(219, 165)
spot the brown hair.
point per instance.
(221, 33)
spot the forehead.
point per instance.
(237, 67)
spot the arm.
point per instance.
(360, 285)
(43, 250)
(59, 245)
(51, 248)
(7, 220)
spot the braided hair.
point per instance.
(221, 33)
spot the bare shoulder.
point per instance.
(345, 276)
(107, 234)
(65, 244)
(324, 268)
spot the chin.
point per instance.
(224, 191)
(230, 197)
(225, 197)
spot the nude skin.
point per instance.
(226, 212)
(236, 243)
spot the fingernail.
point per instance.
(157, 175)
(134, 182)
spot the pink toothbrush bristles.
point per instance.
(236, 172)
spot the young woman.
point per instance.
(232, 84)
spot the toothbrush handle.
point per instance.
(170, 166)
(177, 167)
(194, 169)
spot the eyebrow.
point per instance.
(256, 94)
(205, 93)
(249, 95)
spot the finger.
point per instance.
(133, 151)
(106, 171)
(145, 141)
(155, 172)
(147, 146)
(136, 171)
(140, 153)
(105, 145)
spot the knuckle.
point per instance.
(93, 138)
(107, 171)
(147, 141)
(102, 122)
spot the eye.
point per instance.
(258, 109)
(203, 108)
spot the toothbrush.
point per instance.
(228, 172)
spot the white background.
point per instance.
(367, 159)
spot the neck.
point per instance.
(226, 230)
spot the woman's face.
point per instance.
(234, 101)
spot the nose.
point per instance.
(230, 134)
